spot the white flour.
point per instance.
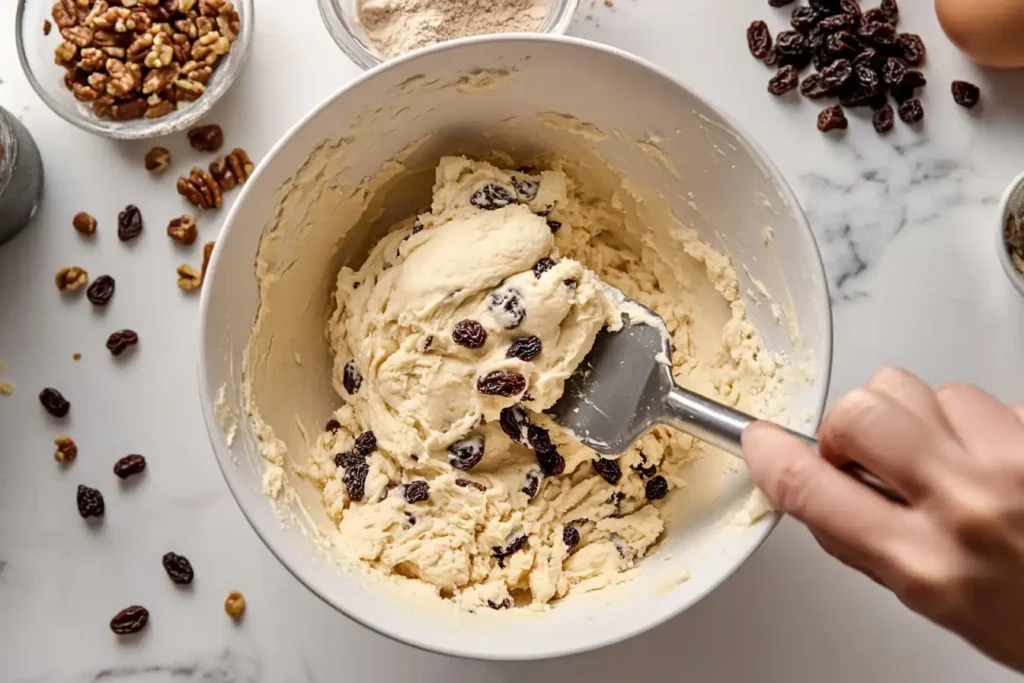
(398, 26)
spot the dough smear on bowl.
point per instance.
(449, 341)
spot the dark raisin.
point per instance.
(814, 87)
(100, 291)
(551, 463)
(355, 480)
(554, 226)
(410, 518)
(878, 34)
(911, 82)
(524, 348)
(467, 484)
(852, 98)
(532, 484)
(836, 75)
(130, 465)
(867, 79)
(350, 378)
(780, 3)
(501, 383)
(890, 10)
(883, 119)
(645, 472)
(869, 58)
(912, 48)
(804, 19)
(543, 266)
(118, 342)
(512, 420)
(466, 454)
(893, 72)
(506, 305)
(539, 439)
(843, 45)
(966, 94)
(838, 22)
(349, 459)
(129, 223)
(793, 49)
(656, 488)
(874, 15)
(526, 188)
(428, 342)
(772, 59)
(504, 604)
(832, 118)
(911, 111)
(513, 546)
(130, 620)
(366, 443)
(826, 7)
(54, 402)
(332, 426)
(417, 226)
(851, 7)
(90, 502)
(570, 283)
(570, 536)
(417, 491)
(469, 333)
(784, 81)
(491, 197)
(609, 469)
(759, 39)
(178, 568)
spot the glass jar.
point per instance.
(21, 176)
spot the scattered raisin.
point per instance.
(332, 426)
(656, 488)
(524, 348)
(609, 469)
(366, 443)
(101, 290)
(491, 197)
(532, 484)
(417, 491)
(554, 226)
(129, 223)
(570, 536)
(832, 118)
(814, 87)
(911, 111)
(178, 568)
(883, 119)
(551, 463)
(526, 188)
(350, 378)
(804, 19)
(784, 81)
(467, 484)
(890, 10)
(513, 546)
(837, 74)
(512, 420)
(130, 465)
(506, 305)
(792, 48)
(501, 383)
(966, 94)
(90, 502)
(759, 39)
(349, 459)
(466, 454)
(469, 333)
(118, 342)
(54, 402)
(355, 480)
(504, 604)
(130, 620)
(912, 48)
(539, 439)
(206, 138)
(543, 266)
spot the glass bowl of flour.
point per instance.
(373, 31)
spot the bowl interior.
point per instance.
(35, 51)
(522, 95)
(1012, 212)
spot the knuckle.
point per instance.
(954, 392)
(850, 413)
(977, 519)
(889, 376)
(925, 584)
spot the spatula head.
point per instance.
(618, 392)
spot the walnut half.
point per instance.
(71, 279)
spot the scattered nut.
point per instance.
(188, 279)
(84, 223)
(71, 278)
(223, 174)
(206, 138)
(6, 388)
(241, 165)
(67, 450)
(201, 189)
(47, 27)
(234, 604)
(158, 160)
(183, 229)
(207, 252)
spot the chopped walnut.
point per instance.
(159, 80)
(71, 279)
(158, 109)
(65, 54)
(183, 229)
(207, 253)
(125, 111)
(186, 90)
(84, 223)
(121, 82)
(47, 27)
(201, 189)
(158, 159)
(67, 450)
(208, 138)
(188, 279)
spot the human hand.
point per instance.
(955, 552)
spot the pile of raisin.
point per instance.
(858, 57)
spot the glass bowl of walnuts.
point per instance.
(132, 70)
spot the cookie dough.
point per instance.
(459, 328)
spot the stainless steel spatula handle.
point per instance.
(722, 427)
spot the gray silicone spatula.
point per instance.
(625, 386)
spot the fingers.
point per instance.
(871, 428)
(810, 489)
(979, 419)
(912, 393)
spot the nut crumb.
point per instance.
(67, 450)
(71, 279)
(234, 604)
(183, 229)
(158, 160)
(76, 356)
(84, 223)
(188, 279)
(206, 138)
(6, 388)
(207, 252)
(47, 27)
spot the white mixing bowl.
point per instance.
(726, 189)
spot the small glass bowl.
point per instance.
(1011, 209)
(36, 53)
(342, 22)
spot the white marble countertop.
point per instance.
(906, 226)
